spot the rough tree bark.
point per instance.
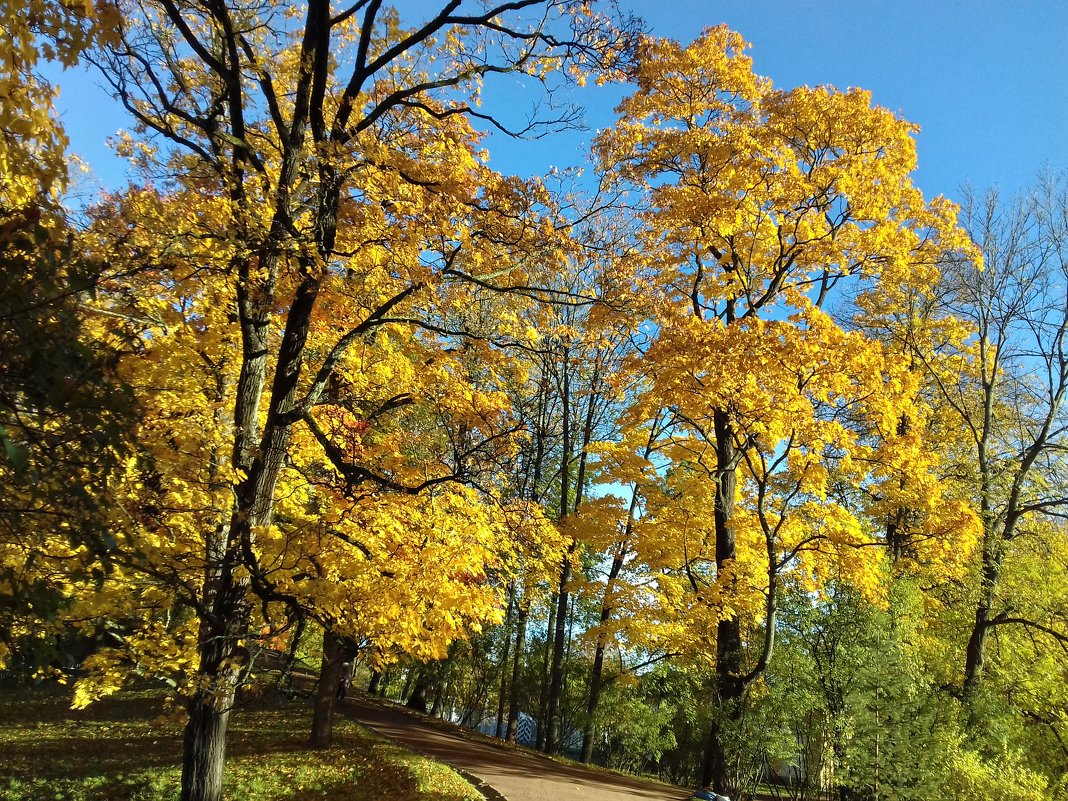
(337, 658)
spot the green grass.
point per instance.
(122, 750)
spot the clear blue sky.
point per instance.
(987, 81)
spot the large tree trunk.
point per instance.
(204, 748)
(204, 740)
(221, 661)
(417, 700)
(219, 671)
(336, 661)
(728, 685)
(225, 588)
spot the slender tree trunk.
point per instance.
(556, 672)
(543, 693)
(596, 684)
(896, 533)
(566, 723)
(991, 555)
(975, 652)
(439, 697)
(535, 496)
(607, 607)
(586, 437)
(387, 680)
(376, 681)
(517, 663)
(539, 436)
(502, 693)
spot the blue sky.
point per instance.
(986, 81)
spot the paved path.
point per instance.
(516, 775)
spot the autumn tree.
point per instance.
(65, 417)
(589, 349)
(335, 207)
(762, 204)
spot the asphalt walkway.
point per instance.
(513, 775)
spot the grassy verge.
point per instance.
(122, 750)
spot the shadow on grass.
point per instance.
(120, 750)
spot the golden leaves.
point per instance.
(765, 190)
(758, 206)
(32, 163)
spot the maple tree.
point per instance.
(332, 236)
(762, 204)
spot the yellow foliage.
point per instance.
(759, 205)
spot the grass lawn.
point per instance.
(121, 749)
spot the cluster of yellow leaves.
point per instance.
(768, 191)
(403, 574)
(32, 159)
